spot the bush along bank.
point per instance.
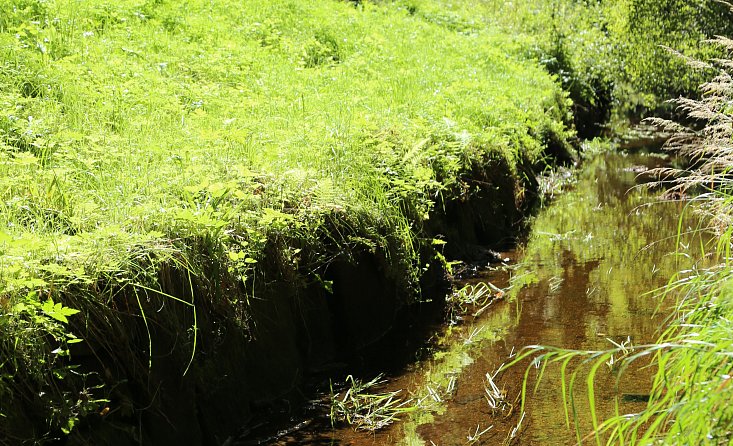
(615, 58)
(203, 202)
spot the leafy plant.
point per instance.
(322, 49)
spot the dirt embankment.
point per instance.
(257, 342)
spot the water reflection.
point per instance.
(589, 261)
(584, 271)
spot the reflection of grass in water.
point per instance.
(365, 408)
(689, 399)
(558, 256)
(442, 373)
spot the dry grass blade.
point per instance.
(364, 409)
(472, 297)
(495, 397)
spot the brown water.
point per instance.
(578, 282)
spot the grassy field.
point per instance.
(139, 134)
(226, 139)
(139, 123)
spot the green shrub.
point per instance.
(653, 27)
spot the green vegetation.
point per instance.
(163, 164)
(688, 400)
(613, 57)
(651, 67)
(368, 411)
(171, 156)
(690, 394)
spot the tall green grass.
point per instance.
(139, 137)
(690, 393)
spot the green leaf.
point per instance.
(235, 256)
(270, 215)
(57, 311)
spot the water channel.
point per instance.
(579, 281)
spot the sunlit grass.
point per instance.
(365, 408)
(141, 137)
(165, 123)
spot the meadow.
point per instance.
(144, 135)
(217, 147)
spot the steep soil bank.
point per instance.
(201, 204)
(257, 342)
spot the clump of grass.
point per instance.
(472, 298)
(708, 147)
(322, 49)
(364, 409)
(496, 398)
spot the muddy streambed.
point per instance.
(579, 281)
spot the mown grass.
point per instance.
(142, 136)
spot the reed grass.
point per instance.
(364, 408)
(690, 391)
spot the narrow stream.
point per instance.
(580, 281)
